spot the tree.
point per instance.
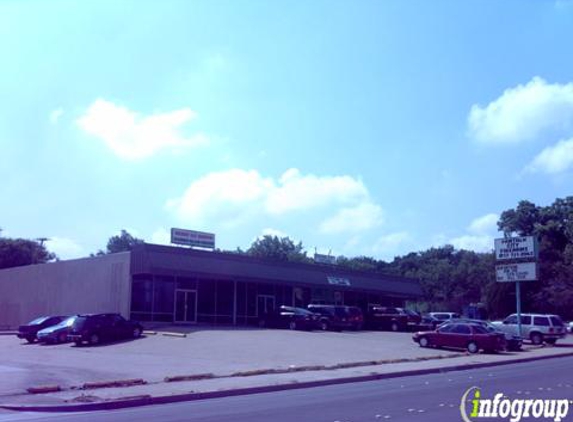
(19, 252)
(280, 249)
(120, 243)
(553, 227)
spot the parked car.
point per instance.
(387, 318)
(462, 335)
(30, 330)
(513, 342)
(434, 319)
(57, 333)
(290, 317)
(414, 318)
(538, 328)
(570, 327)
(95, 328)
(336, 317)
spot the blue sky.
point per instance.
(366, 128)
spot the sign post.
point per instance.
(520, 254)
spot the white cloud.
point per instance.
(132, 136)
(272, 232)
(363, 216)
(296, 192)
(55, 115)
(479, 235)
(477, 243)
(235, 195)
(484, 224)
(161, 236)
(554, 159)
(228, 196)
(523, 113)
(391, 243)
(65, 248)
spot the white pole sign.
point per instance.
(507, 273)
(515, 248)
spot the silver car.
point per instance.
(538, 328)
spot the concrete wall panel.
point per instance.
(87, 285)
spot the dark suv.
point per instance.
(95, 328)
(387, 318)
(335, 317)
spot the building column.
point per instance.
(234, 302)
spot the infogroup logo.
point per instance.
(474, 407)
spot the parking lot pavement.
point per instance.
(219, 351)
(204, 351)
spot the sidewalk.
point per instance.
(252, 382)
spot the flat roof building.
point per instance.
(181, 285)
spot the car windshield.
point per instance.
(80, 322)
(68, 322)
(38, 321)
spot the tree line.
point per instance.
(450, 278)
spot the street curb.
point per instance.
(149, 400)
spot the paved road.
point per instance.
(422, 398)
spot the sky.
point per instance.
(361, 128)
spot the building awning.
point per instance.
(168, 260)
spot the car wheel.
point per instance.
(62, 338)
(94, 339)
(324, 326)
(536, 338)
(292, 325)
(394, 326)
(136, 332)
(262, 323)
(551, 341)
(30, 339)
(424, 342)
(472, 347)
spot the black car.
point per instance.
(290, 317)
(30, 330)
(95, 328)
(387, 318)
(337, 317)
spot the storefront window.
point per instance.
(163, 295)
(141, 295)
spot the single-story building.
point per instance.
(182, 285)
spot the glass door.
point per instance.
(185, 306)
(265, 304)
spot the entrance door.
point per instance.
(265, 304)
(185, 306)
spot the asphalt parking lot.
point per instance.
(216, 351)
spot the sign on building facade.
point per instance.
(193, 238)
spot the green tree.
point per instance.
(120, 243)
(280, 249)
(552, 225)
(19, 252)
